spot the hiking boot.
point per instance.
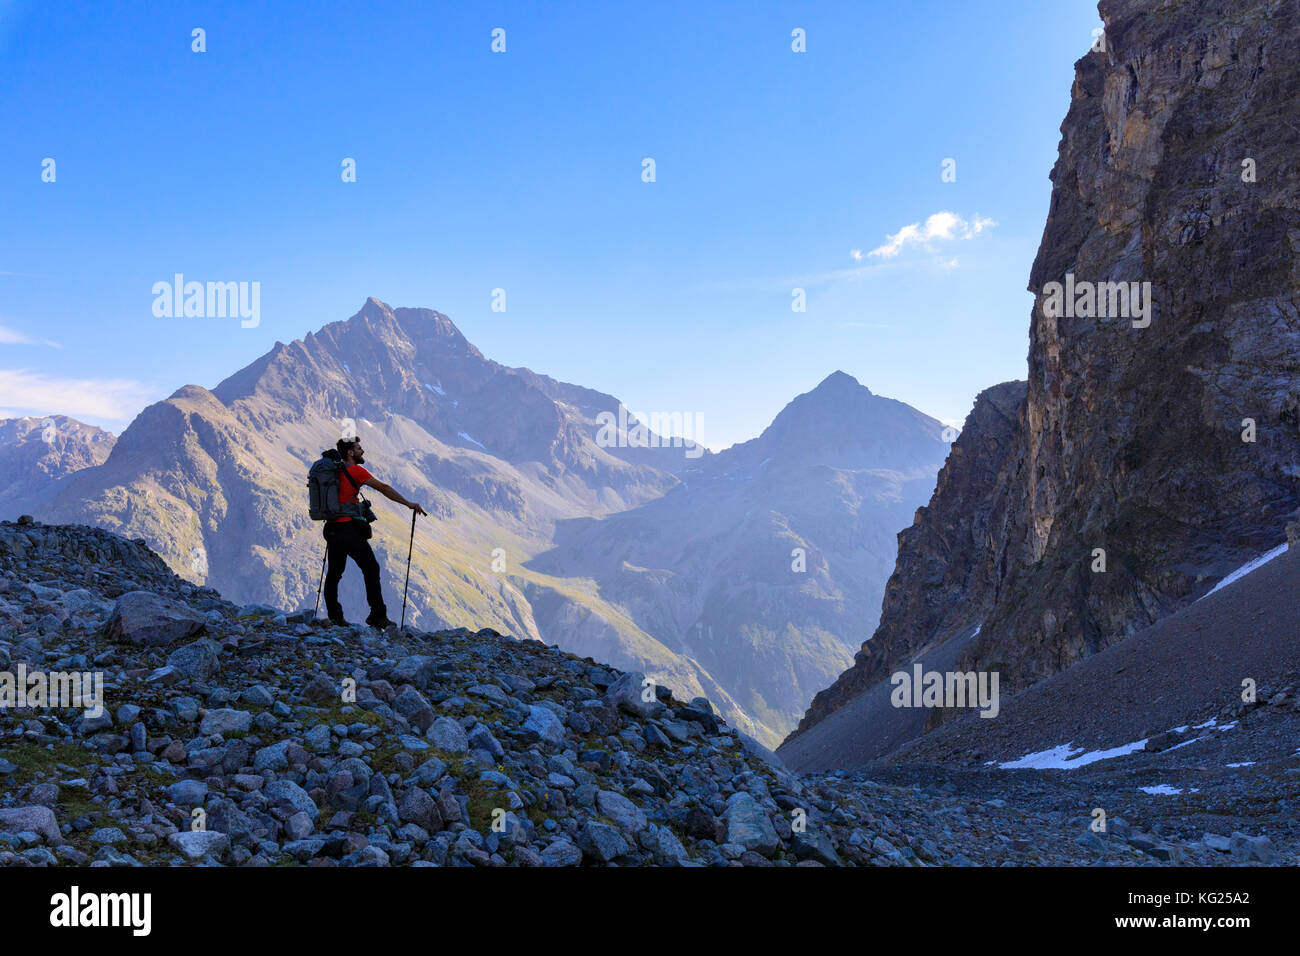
(338, 622)
(380, 624)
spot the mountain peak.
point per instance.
(842, 424)
(375, 310)
(840, 381)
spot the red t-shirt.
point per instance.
(349, 486)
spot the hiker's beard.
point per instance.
(358, 459)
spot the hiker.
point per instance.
(347, 537)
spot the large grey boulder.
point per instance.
(748, 825)
(629, 694)
(142, 617)
(35, 819)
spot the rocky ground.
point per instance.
(245, 736)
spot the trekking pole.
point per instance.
(316, 613)
(409, 548)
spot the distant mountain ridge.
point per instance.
(37, 455)
(508, 464)
(767, 562)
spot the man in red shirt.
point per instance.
(344, 537)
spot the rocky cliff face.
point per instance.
(1178, 168)
(1165, 437)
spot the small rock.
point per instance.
(188, 793)
(545, 724)
(196, 844)
(226, 722)
(448, 736)
(601, 842)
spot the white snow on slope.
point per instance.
(1067, 756)
(1161, 788)
(1245, 569)
(435, 388)
(467, 438)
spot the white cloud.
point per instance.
(940, 227)
(856, 254)
(111, 399)
(10, 336)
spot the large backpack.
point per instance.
(323, 490)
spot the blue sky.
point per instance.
(522, 171)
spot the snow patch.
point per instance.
(1246, 568)
(467, 438)
(1247, 763)
(1161, 789)
(1067, 757)
(435, 388)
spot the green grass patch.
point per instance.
(35, 762)
(334, 714)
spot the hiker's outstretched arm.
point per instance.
(391, 493)
(388, 491)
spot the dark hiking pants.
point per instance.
(342, 541)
